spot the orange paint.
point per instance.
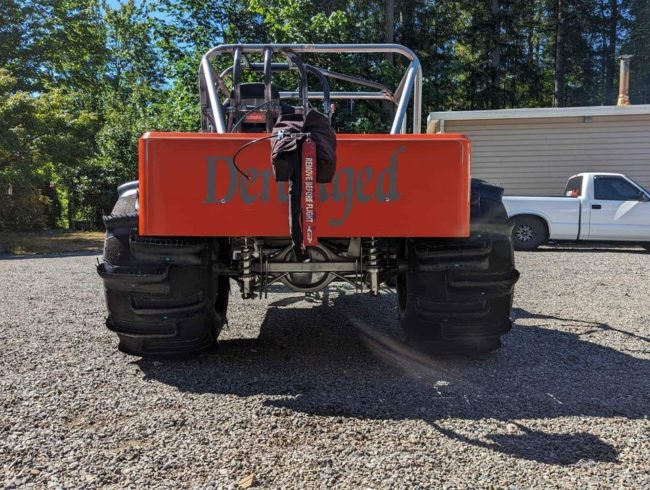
(385, 186)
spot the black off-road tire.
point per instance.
(161, 295)
(528, 233)
(457, 294)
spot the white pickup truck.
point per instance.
(600, 207)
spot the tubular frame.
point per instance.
(210, 83)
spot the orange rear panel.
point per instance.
(385, 186)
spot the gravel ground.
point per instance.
(325, 395)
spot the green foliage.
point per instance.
(81, 80)
(22, 205)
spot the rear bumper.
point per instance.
(385, 186)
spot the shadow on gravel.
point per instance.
(591, 327)
(559, 449)
(324, 361)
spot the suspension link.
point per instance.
(373, 266)
(247, 278)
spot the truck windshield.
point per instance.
(573, 187)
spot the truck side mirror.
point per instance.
(643, 197)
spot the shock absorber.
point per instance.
(372, 266)
(246, 273)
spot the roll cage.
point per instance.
(212, 86)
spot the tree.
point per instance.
(66, 143)
(638, 47)
(21, 204)
(612, 28)
(389, 26)
(69, 42)
(560, 74)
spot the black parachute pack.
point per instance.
(285, 151)
(292, 135)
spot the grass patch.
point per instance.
(53, 241)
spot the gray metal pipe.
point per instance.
(339, 95)
(417, 99)
(400, 114)
(318, 48)
(215, 104)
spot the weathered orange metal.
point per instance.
(411, 185)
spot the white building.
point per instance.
(533, 152)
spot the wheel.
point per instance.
(457, 294)
(528, 233)
(161, 295)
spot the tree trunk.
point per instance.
(610, 63)
(389, 26)
(71, 209)
(495, 57)
(560, 74)
(389, 37)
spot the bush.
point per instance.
(24, 210)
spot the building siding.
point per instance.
(535, 156)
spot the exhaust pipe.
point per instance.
(624, 81)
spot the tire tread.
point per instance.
(457, 293)
(160, 292)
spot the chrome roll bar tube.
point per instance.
(410, 85)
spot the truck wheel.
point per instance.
(528, 233)
(161, 294)
(457, 294)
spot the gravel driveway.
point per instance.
(325, 395)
